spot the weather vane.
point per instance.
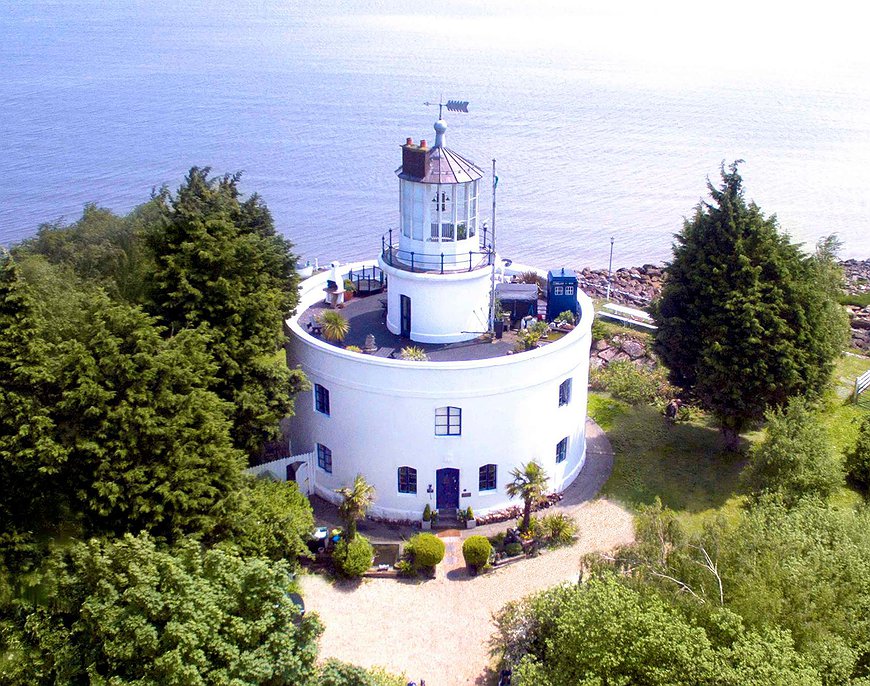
(451, 105)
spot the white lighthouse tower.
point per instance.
(439, 268)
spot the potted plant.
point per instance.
(470, 521)
(434, 517)
(349, 289)
(427, 518)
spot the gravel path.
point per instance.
(439, 629)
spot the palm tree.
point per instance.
(334, 326)
(357, 501)
(529, 483)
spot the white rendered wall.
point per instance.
(382, 416)
(445, 308)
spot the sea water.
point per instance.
(605, 119)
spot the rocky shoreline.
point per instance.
(639, 286)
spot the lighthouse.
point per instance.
(439, 264)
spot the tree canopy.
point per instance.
(130, 612)
(220, 263)
(746, 320)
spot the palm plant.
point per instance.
(356, 502)
(334, 326)
(415, 353)
(529, 482)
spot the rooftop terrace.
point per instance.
(367, 315)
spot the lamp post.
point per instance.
(610, 267)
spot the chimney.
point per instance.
(409, 141)
(422, 142)
(415, 160)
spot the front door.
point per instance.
(405, 309)
(447, 492)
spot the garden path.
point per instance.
(439, 629)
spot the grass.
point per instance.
(685, 464)
(857, 299)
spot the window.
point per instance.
(565, 392)
(562, 450)
(487, 480)
(407, 480)
(324, 458)
(448, 421)
(321, 399)
(569, 290)
(558, 290)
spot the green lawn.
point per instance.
(685, 465)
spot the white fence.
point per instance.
(861, 384)
(277, 469)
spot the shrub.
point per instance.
(405, 568)
(558, 528)
(353, 348)
(795, 459)
(858, 460)
(566, 317)
(352, 560)
(427, 550)
(527, 339)
(634, 385)
(512, 549)
(427, 513)
(414, 353)
(599, 330)
(476, 551)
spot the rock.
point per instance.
(634, 349)
(621, 357)
(608, 354)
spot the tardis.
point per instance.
(561, 293)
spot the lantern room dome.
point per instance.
(437, 164)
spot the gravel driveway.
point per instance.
(439, 629)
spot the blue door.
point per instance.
(447, 490)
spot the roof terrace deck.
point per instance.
(366, 315)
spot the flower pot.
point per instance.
(426, 525)
(470, 523)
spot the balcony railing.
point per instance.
(444, 263)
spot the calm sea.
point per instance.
(606, 119)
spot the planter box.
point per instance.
(426, 526)
(470, 523)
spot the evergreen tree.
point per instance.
(221, 264)
(30, 455)
(745, 319)
(149, 443)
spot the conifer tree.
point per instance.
(221, 264)
(746, 320)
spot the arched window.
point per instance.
(488, 477)
(407, 480)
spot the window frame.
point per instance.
(562, 450)
(408, 475)
(565, 392)
(452, 424)
(321, 399)
(324, 458)
(487, 478)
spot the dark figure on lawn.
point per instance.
(672, 409)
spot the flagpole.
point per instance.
(492, 289)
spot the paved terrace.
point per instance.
(367, 315)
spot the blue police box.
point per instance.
(561, 293)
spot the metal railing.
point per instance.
(443, 263)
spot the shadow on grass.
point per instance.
(684, 465)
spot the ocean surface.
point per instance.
(605, 119)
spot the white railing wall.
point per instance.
(278, 469)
